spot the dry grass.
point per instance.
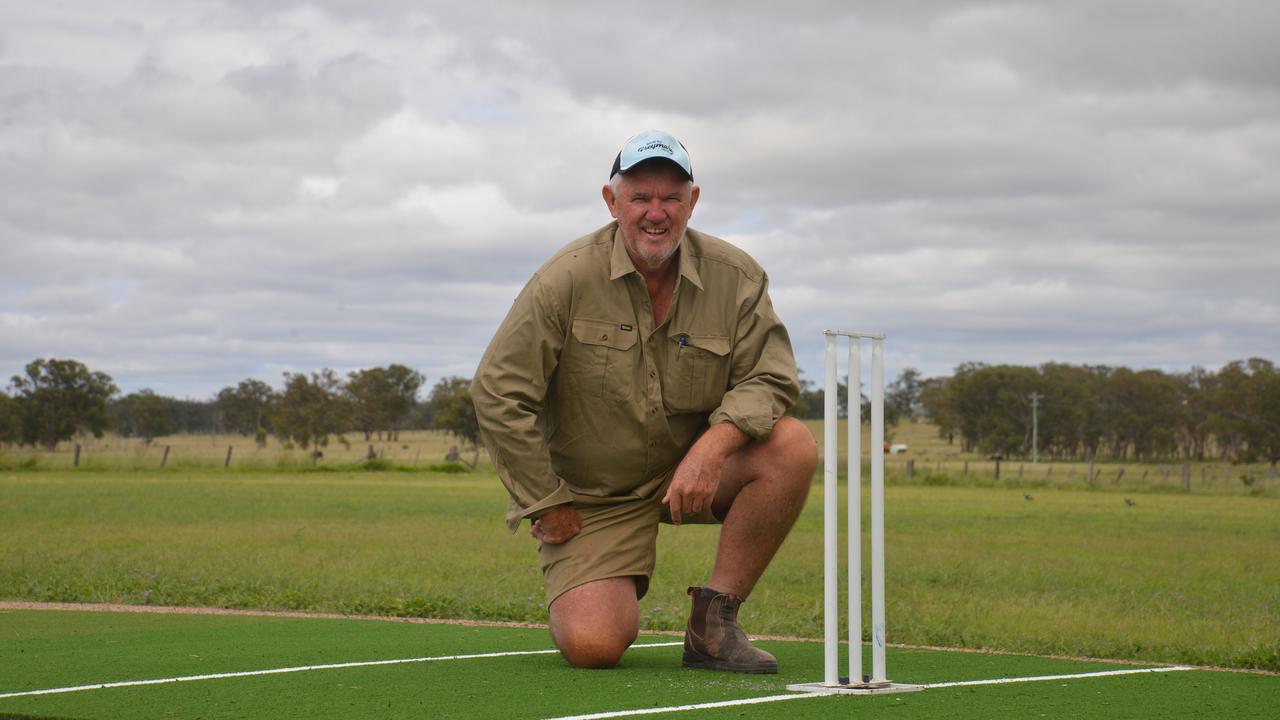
(412, 448)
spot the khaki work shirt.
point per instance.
(578, 394)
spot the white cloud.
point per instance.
(196, 192)
(318, 188)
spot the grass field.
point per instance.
(1173, 578)
(449, 671)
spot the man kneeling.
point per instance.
(642, 377)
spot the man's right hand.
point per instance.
(558, 525)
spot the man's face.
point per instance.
(652, 204)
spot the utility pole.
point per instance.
(1035, 426)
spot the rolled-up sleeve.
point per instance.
(509, 391)
(763, 382)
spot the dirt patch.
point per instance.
(113, 607)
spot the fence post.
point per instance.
(997, 469)
(1226, 474)
(1020, 466)
(911, 468)
(1204, 475)
(966, 468)
(76, 462)
(1119, 475)
(164, 460)
(227, 464)
(1186, 477)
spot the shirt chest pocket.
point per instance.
(700, 373)
(601, 360)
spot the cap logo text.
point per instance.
(654, 146)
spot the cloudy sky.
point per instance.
(194, 193)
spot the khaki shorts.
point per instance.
(619, 538)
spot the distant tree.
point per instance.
(382, 398)
(1246, 421)
(936, 405)
(120, 416)
(452, 411)
(405, 384)
(310, 409)
(143, 414)
(1267, 392)
(891, 413)
(10, 420)
(60, 398)
(903, 394)
(366, 391)
(1072, 414)
(246, 407)
(1197, 389)
(989, 402)
(192, 416)
(1143, 410)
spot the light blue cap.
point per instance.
(648, 145)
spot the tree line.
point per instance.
(1080, 411)
(1095, 411)
(55, 400)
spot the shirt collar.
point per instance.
(620, 262)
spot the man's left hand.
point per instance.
(693, 487)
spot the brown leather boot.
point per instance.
(713, 640)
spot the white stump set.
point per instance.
(856, 682)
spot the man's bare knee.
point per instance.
(594, 624)
(596, 650)
(795, 447)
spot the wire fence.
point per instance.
(424, 449)
(1218, 478)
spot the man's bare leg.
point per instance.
(761, 493)
(594, 623)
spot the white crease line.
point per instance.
(699, 706)
(304, 668)
(1102, 673)
(795, 696)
